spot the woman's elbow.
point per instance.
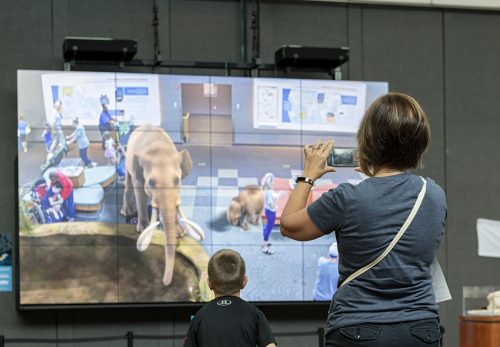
(285, 228)
(283, 231)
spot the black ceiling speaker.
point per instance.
(311, 57)
(96, 48)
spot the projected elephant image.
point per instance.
(246, 207)
(155, 169)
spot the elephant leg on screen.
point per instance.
(255, 218)
(244, 223)
(141, 202)
(128, 207)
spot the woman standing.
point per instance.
(392, 303)
(271, 201)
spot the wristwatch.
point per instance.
(304, 179)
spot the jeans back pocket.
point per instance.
(361, 332)
(428, 332)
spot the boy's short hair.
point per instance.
(226, 269)
(394, 132)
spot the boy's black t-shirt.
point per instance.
(229, 321)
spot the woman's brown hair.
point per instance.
(394, 132)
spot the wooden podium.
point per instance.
(479, 331)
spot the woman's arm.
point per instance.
(295, 222)
(71, 138)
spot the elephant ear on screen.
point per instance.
(186, 163)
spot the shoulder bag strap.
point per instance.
(396, 238)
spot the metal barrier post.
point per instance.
(130, 339)
(2, 341)
(321, 337)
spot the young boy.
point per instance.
(228, 320)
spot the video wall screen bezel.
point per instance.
(232, 128)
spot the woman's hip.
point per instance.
(424, 332)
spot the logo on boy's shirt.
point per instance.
(224, 302)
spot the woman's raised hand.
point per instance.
(315, 159)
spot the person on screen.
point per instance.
(120, 163)
(106, 121)
(393, 302)
(47, 136)
(58, 140)
(66, 192)
(23, 129)
(82, 141)
(109, 148)
(227, 320)
(52, 204)
(271, 202)
(327, 276)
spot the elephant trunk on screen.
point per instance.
(168, 217)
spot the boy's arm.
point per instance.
(190, 340)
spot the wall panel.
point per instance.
(472, 124)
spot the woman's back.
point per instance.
(366, 217)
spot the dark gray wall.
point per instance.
(447, 59)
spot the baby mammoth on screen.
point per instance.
(245, 207)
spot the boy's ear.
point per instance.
(244, 282)
(210, 284)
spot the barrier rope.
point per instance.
(130, 337)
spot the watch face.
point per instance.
(304, 179)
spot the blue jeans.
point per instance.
(270, 218)
(421, 333)
(69, 203)
(83, 156)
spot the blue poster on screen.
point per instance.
(5, 263)
(5, 278)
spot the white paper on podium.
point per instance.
(488, 237)
(439, 285)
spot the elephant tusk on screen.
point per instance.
(190, 228)
(146, 236)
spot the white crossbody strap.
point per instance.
(396, 238)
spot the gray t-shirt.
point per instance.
(365, 218)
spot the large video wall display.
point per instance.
(128, 183)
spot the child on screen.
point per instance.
(109, 148)
(47, 136)
(227, 320)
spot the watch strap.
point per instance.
(305, 179)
